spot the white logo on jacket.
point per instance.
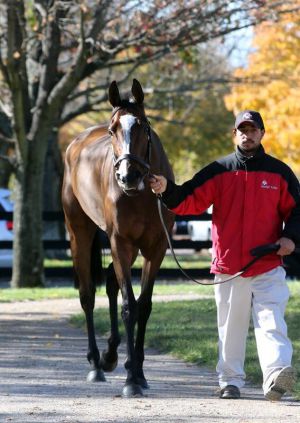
(266, 185)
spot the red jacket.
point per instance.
(251, 198)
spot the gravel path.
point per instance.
(43, 369)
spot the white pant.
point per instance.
(267, 295)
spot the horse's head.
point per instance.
(131, 138)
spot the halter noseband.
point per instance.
(133, 158)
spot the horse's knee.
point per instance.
(129, 311)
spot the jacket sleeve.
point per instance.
(194, 196)
(290, 208)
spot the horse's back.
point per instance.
(86, 139)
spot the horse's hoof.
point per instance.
(96, 376)
(107, 365)
(143, 383)
(132, 390)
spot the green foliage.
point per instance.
(204, 136)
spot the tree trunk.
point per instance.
(52, 194)
(5, 167)
(53, 175)
(28, 249)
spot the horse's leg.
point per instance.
(144, 302)
(109, 358)
(123, 254)
(83, 245)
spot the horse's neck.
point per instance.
(159, 161)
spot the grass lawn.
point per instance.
(35, 294)
(188, 261)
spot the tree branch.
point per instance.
(6, 140)
(17, 72)
(71, 78)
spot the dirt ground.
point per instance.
(43, 370)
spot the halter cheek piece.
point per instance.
(145, 163)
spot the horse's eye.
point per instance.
(110, 132)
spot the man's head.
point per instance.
(248, 131)
(249, 116)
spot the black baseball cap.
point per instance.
(249, 116)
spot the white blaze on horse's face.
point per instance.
(127, 122)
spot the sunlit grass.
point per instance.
(160, 288)
(186, 260)
(36, 294)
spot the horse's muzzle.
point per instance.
(132, 182)
(130, 173)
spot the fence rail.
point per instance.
(292, 263)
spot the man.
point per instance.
(252, 194)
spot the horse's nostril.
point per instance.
(129, 178)
(120, 177)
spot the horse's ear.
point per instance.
(137, 91)
(114, 95)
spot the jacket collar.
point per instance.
(240, 156)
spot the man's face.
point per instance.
(248, 137)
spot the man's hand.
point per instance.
(158, 183)
(287, 246)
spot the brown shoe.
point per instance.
(230, 392)
(283, 382)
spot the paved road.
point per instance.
(43, 370)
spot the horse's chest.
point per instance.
(133, 223)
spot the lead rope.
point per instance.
(159, 203)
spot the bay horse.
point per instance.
(106, 185)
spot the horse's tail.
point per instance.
(97, 271)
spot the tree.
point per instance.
(6, 144)
(187, 104)
(56, 58)
(271, 85)
(184, 99)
